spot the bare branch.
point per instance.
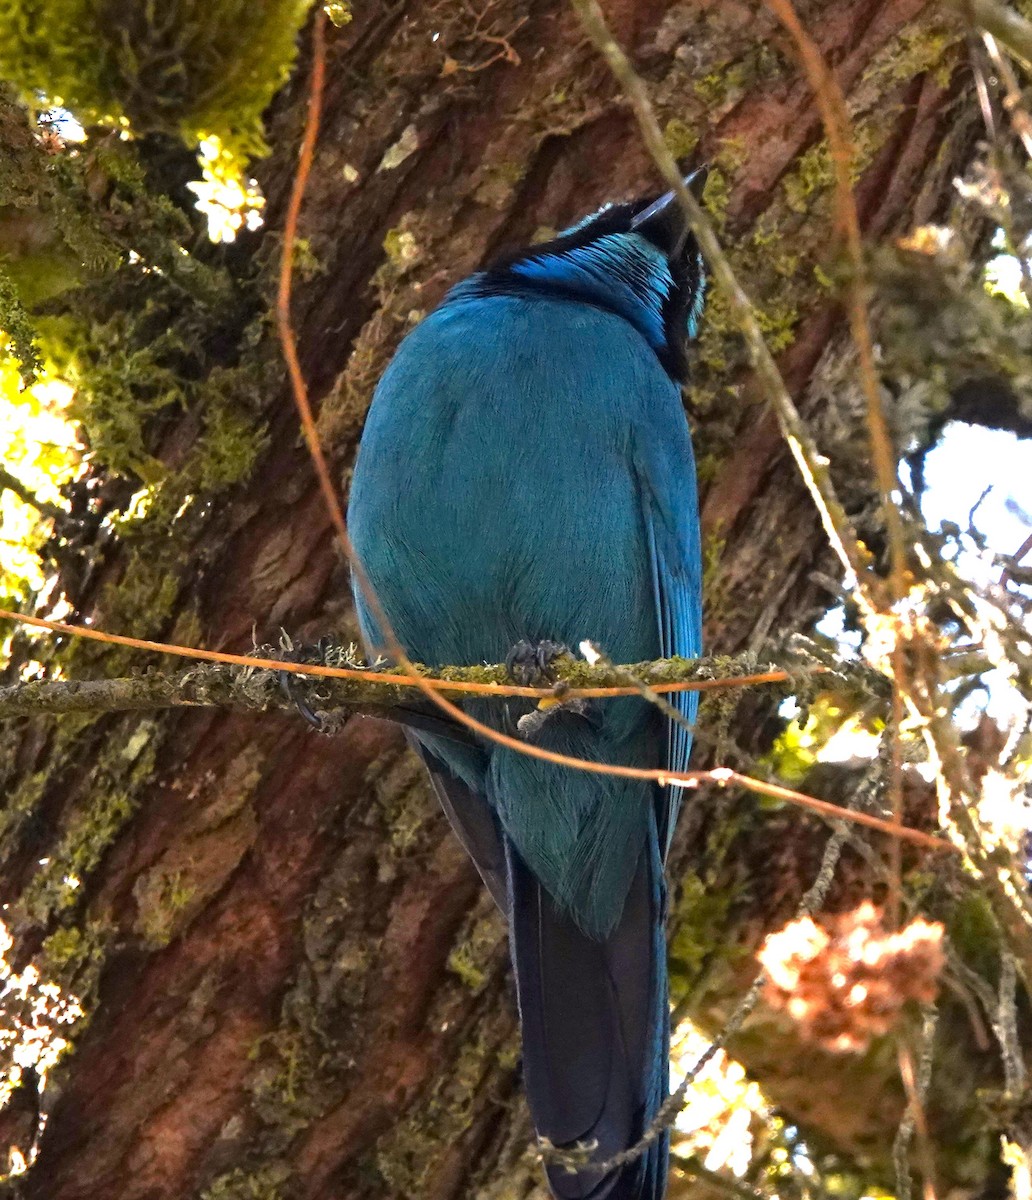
(1002, 22)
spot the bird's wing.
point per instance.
(670, 507)
(471, 818)
(595, 1019)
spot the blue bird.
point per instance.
(525, 477)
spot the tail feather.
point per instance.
(595, 1029)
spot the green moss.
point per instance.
(680, 137)
(231, 442)
(20, 802)
(56, 887)
(719, 86)
(712, 552)
(498, 181)
(144, 596)
(405, 1154)
(920, 47)
(19, 330)
(72, 956)
(122, 380)
(160, 905)
(285, 1065)
(307, 263)
(716, 196)
(813, 176)
(204, 69)
(211, 841)
(110, 798)
(264, 1183)
(401, 791)
(477, 952)
(699, 920)
(507, 1056)
(974, 934)
(778, 322)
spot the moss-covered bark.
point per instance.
(295, 985)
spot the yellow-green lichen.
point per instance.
(400, 246)
(720, 86)
(712, 552)
(472, 958)
(401, 791)
(69, 948)
(161, 899)
(732, 154)
(339, 12)
(109, 798)
(405, 1155)
(920, 47)
(212, 839)
(285, 1063)
(699, 921)
(716, 196)
(20, 802)
(680, 137)
(498, 182)
(264, 1183)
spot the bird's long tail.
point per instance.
(595, 1030)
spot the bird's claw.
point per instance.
(316, 654)
(529, 663)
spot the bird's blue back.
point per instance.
(526, 474)
(507, 498)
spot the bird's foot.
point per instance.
(317, 654)
(529, 663)
(531, 724)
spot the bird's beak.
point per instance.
(663, 222)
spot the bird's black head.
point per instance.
(639, 260)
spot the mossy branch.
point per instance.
(254, 689)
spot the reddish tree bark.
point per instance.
(297, 986)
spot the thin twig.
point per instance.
(1002, 22)
(915, 1082)
(1013, 101)
(299, 389)
(581, 681)
(231, 686)
(286, 275)
(812, 901)
(812, 465)
(1016, 558)
(694, 1167)
(835, 118)
(628, 676)
(12, 483)
(1005, 1026)
(724, 776)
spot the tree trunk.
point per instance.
(296, 986)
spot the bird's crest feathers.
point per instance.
(639, 260)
